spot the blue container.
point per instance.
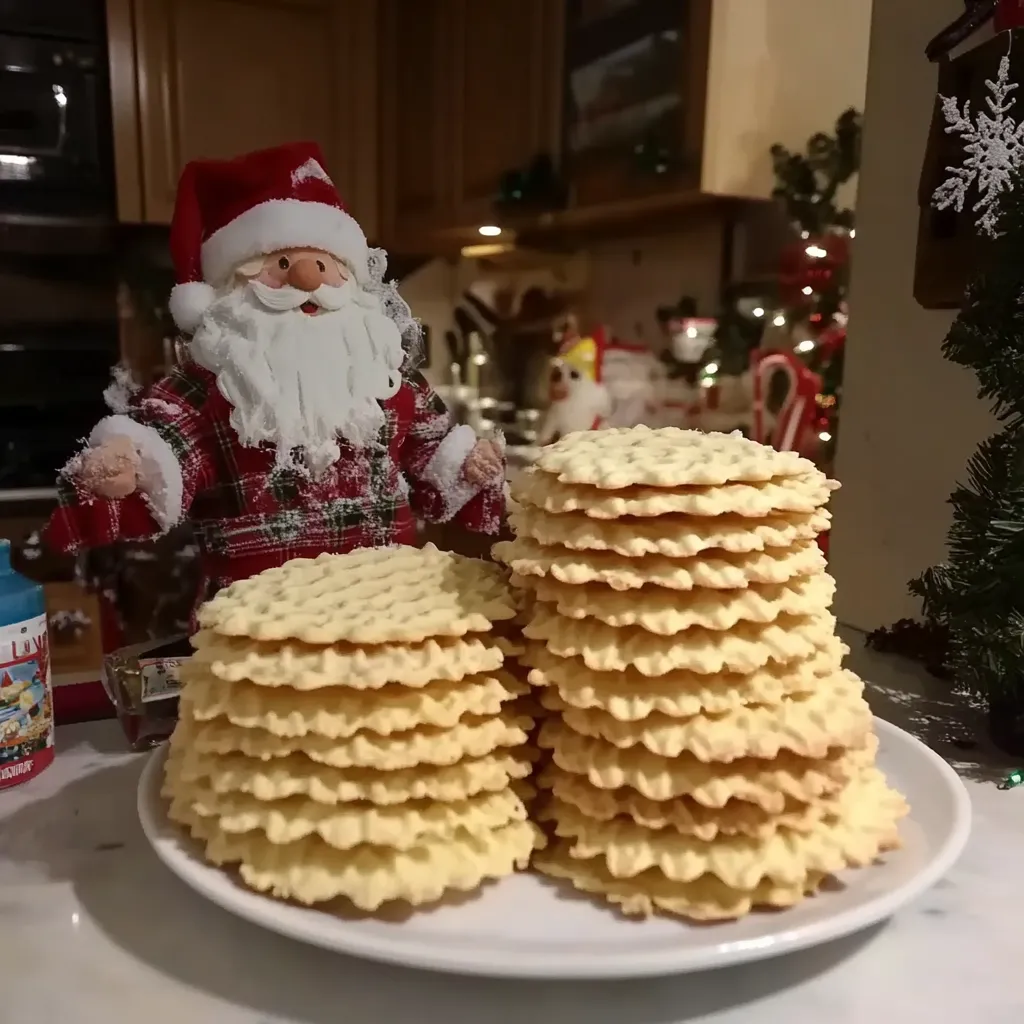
(26, 695)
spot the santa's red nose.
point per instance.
(306, 275)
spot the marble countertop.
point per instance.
(97, 931)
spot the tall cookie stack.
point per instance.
(346, 730)
(709, 753)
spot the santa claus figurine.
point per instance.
(294, 426)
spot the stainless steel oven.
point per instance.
(55, 146)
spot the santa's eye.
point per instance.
(321, 266)
(283, 263)
(574, 374)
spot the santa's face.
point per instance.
(304, 354)
(304, 269)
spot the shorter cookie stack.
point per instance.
(709, 754)
(347, 730)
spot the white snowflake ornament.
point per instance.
(993, 149)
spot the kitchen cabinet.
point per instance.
(415, 58)
(422, 105)
(472, 89)
(506, 96)
(215, 78)
(469, 90)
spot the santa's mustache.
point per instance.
(327, 297)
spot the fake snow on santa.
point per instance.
(295, 426)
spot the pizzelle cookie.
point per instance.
(746, 648)
(630, 696)
(347, 730)
(667, 457)
(311, 871)
(768, 783)
(671, 536)
(708, 754)
(297, 775)
(801, 494)
(717, 570)
(372, 596)
(297, 666)
(660, 610)
(338, 713)
(345, 825)
(472, 736)
(863, 824)
(737, 817)
(705, 899)
(834, 716)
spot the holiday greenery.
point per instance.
(808, 183)
(805, 309)
(977, 594)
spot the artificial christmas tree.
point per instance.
(977, 594)
(805, 317)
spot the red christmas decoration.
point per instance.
(1009, 14)
(799, 410)
(810, 263)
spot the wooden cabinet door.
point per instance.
(415, 179)
(506, 100)
(218, 78)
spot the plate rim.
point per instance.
(215, 885)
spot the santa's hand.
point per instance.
(483, 464)
(109, 471)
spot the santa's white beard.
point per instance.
(298, 381)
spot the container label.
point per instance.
(26, 701)
(160, 678)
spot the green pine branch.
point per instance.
(807, 183)
(978, 592)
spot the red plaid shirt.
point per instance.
(249, 514)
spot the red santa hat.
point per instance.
(230, 211)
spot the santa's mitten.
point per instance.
(110, 470)
(484, 464)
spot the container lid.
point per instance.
(20, 598)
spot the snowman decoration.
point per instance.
(596, 382)
(577, 399)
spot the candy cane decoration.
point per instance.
(797, 411)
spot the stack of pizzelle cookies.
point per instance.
(709, 754)
(347, 730)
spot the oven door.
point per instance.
(49, 102)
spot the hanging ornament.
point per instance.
(1014, 779)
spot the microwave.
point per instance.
(55, 136)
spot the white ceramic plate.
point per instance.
(529, 927)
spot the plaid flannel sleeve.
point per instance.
(168, 426)
(433, 454)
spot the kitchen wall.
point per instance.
(755, 100)
(910, 419)
(630, 278)
(620, 284)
